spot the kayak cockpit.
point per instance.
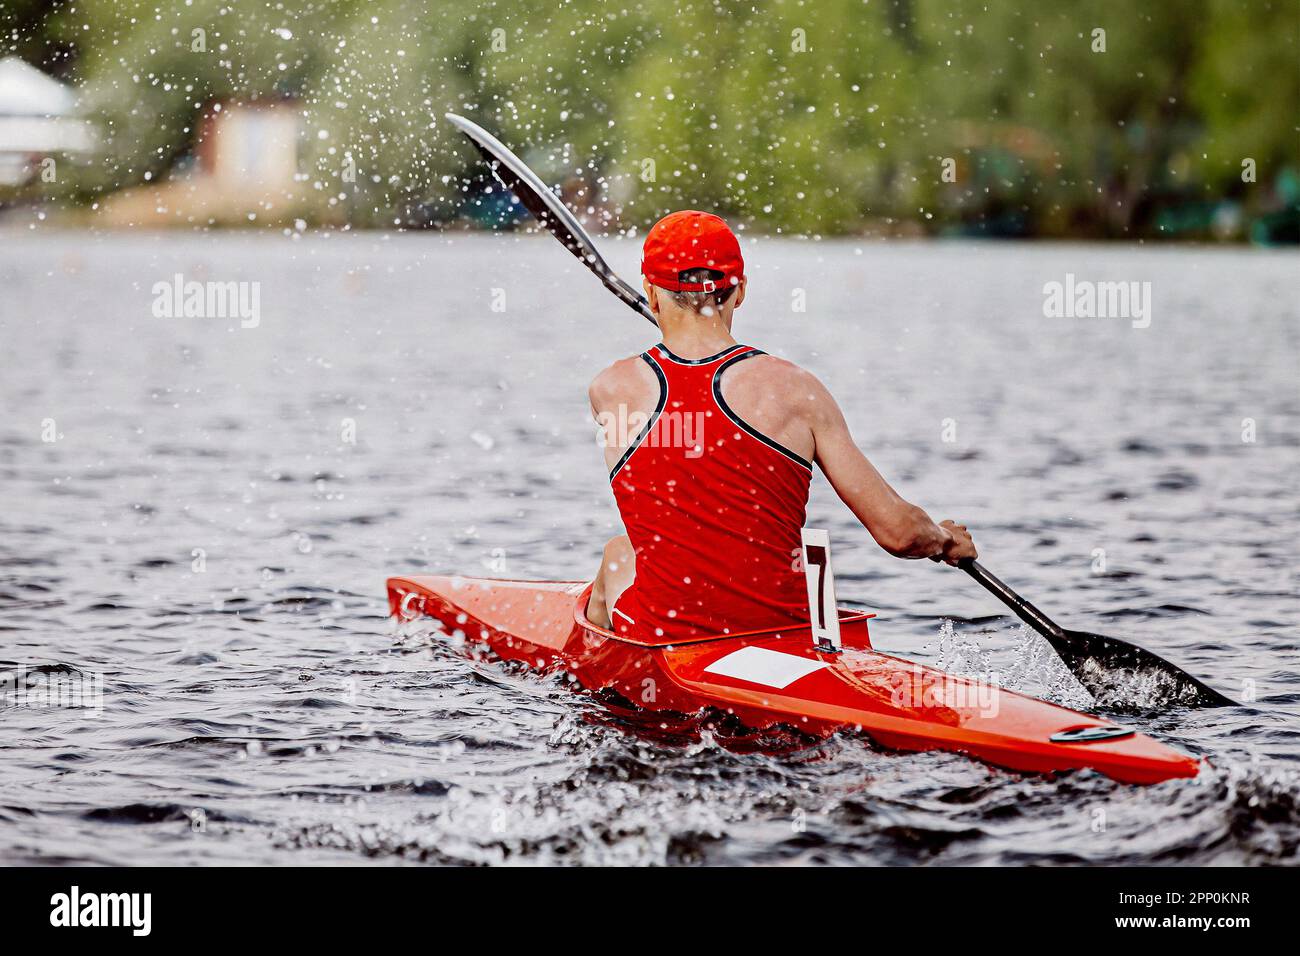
(853, 628)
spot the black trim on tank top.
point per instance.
(668, 354)
(663, 401)
(740, 422)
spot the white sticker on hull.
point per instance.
(758, 665)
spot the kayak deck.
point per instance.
(777, 677)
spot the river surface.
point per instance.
(198, 518)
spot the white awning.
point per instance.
(39, 134)
(26, 91)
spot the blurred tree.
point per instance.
(1094, 118)
(28, 30)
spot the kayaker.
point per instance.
(710, 445)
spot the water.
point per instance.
(202, 535)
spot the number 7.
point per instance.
(821, 590)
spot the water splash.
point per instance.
(1034, 670)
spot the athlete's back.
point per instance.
(710, 446)
(711, 504)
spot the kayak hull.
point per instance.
(777, 677)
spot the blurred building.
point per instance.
(38, 119)
(242, 169)
(250, 147)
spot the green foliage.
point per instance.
(803, 116)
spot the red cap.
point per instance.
(691, 239)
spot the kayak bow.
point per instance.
(777, 677)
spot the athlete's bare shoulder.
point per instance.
(628, 381)
(772, 378)
(784, 402)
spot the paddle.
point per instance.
(1099, 663)
(549, 211)
(1094, 659)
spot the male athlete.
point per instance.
(713, 485)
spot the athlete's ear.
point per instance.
(651, 296)
(740, 292)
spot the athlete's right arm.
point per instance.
(897, 525)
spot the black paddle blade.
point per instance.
(547, 208)
(1118, 673)
(1113, 671)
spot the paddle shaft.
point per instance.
(550, 211)
(1035, 618)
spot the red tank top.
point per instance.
(713, 509)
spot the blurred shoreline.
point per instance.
(915, 117)
(13, 226)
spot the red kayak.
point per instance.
(779, 678)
